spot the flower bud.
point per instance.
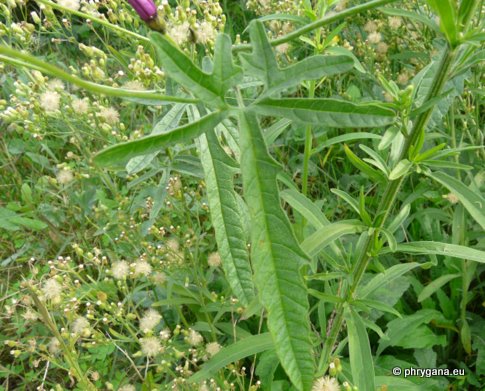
(145, 8)
(148, 13)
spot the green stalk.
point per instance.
(92, 18)
(69, 353)
(35, 63)
(325, 21)
(308, 147)
(386, 204)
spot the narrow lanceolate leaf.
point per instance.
(149, 144)
(437, 248)
(387, 277)
(277, 258)
(168, 122)
(447, 12)
(305, 207)
(473, 202)
(219, 171)
(261, 63)
(329, 112)
(181, 68)
(361, 361)
(232, 353)
(435, 285)
(329, 233)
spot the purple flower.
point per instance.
(145, 8)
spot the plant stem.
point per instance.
(34, 63)
(326, 20)
(308, 147)
(68, 351)
(92, 18)
(390, 193)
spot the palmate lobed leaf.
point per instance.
(331, 112)
(276, 257)
(153, 143)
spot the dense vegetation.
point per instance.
(261, 194)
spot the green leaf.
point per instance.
(341, 51)
(311, 68)
(325, 296)
(232, 353)
(353, 203)
(447, 11)
(168, 122)
(276, 257)
(225, 74)
(465, 336)
(424, 80)
(473, 202)
(437, 248)
(329, 233)
(361, 361)
(435, 285)
(261, 63)
(328, 112)
(378, 305)
(273, 132)
(153, 143)
(389, 135)
(279, 16)
(219, 172)
(387, 277)
(391, 240)
(411, 15)
(11, 221)
(410, 331)
(399, 219)
(305, 207)
(378, 161)
(181, 68)
(266, 367)
(397, 383)
(345, 138)
(402, 168)
(362, 166)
